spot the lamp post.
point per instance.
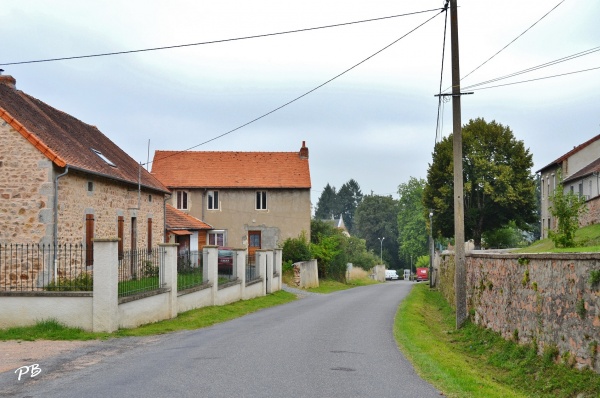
(431, 248)
(381, 249)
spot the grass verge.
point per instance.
(330, 286)
(475, 362)
(587, 239)
(194, 319)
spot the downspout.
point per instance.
(56, 215)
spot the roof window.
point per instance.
(101, 156)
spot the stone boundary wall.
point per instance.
(546, 299)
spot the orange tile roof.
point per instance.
(176, 220)
(66, 140)
(195, 169)
(570, 153)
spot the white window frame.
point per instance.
(181, 198)
(215, 240)
(261, 200)
(212, 200)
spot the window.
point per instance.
(101, 156)
(90, 186)
(542, 186)
(261, 200)
(120, 234)
(581, 189)
(216, 238)
(89, 243)
(213, 200)
(182, 200)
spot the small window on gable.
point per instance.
(261, 200)
(213, 200)
(90, 186)
(101, 156)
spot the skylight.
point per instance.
(101, 155)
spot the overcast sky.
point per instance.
(376, 123)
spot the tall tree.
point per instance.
(327, 204)
(499, 186)
(375, 218)
(348, 198)
(412, 221)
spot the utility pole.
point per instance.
(460, 280)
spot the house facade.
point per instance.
(252, 200)
(63, 181)
(188, 232)
(579, 168)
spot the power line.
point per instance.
(440, 98)
(539, 78)
(541, 66)
(515, 39)
(300, 96)
(214, 41)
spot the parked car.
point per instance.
(225, 261)
(422, 274)
(391, 275)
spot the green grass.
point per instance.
(194, 319)
(586, 238)
(330, 286)
(475, 362)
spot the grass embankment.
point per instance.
(194, 319)
(475, 362)
(587, 239)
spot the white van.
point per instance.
(390, 274)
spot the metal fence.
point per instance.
(251, 272)
(190, 269)
(141, 271)
(44, 267)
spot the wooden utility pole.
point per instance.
(460, 280)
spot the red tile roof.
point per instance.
(194, 169)
(570, 153)
(66, 140)
(178, 220)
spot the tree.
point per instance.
(412, 222)
(348, 198)
(498, 184)
(375, 218)
(566, 207)
(327, 204)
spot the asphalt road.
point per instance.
(335, 345)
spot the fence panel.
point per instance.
(39, 267)
(190, 269)
(141, 271)
(251, 273)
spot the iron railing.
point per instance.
(190, 269)
(44, 267)
(141, 271)
(251, 272)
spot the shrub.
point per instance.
(296, 249)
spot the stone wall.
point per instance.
(592, 215)
(546, 299)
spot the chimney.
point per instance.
(303, 151)
(8, 81)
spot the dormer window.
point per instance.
(101, 156)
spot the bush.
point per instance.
(296, 249)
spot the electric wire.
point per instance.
(300, 96)
(534, 68)
(215, 41)
(437, 127)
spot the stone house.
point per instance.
(338, 223)
(63, 181)
(580, 168)
(253, 200)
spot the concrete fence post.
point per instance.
(211, 264)
(278, 267)
(169, 276)
(105, 304)
(269, 264)
(261, 268)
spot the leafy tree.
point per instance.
(498, 184)
(376, 217)
(566, 207)
(412, 222)
(348, 198)
(504, 237)
(296, 249)
(327, 204)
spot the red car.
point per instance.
(422, 274)
(225, 262)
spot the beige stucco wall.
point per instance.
(27, 200)
(287, 216)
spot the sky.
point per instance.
(375, 124)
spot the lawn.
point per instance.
(586, 238)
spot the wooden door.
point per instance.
(254, 242)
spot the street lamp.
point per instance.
(381, 249)
(431, 248)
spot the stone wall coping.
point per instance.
(539, 256)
